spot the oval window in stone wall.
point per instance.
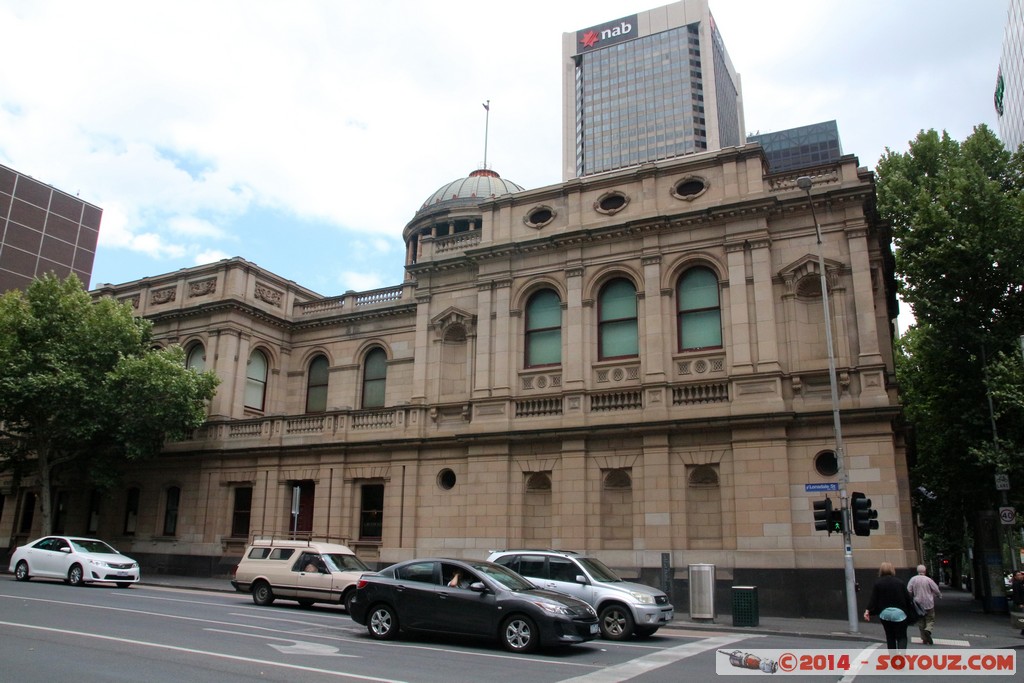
(690, 188)
(611, 203)
(539, 216)
(446, 479)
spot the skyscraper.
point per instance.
(43, 230)
(647, 86)
(1009, 93)
(800, 147)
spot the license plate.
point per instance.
(667, 616)
(595, 629)
(122, 576)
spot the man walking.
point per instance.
(924, 591)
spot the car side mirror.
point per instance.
(66, 549)
(581, 579)
(477, 587)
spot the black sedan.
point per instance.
(469, 598)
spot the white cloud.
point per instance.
(181, 120)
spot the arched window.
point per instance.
(618, 331)
(375, 374)
(316, 386)
(256, 380)
(196, 358)
(543, 329)
(699, 316)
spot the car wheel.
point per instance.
(519, 634)
(75, 576)
(347, 600)
(644, 631)
(616, 622)
(123, 584)
(305, 602)
(21, 571)
(262, 594)
(383, 623)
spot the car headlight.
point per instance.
(552, 607)
(98, 563)
(643, 598)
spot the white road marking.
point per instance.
(206, 653)
(297, 647)
(858, 663)
(641, 665)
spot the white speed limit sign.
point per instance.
(1007, 515)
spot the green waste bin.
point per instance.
(744, 606)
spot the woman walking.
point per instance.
(893, 606)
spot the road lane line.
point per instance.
(858, 663)
(193, 651)
(657, 660)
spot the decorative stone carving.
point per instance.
(268, 294)
(163, 296)
(202, 287)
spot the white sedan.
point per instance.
(74, 560)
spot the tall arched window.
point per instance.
(699, 315)
(196, 358)
(543, 329)
(375, 374)
(618, 330)
(256, 380)
(172, 502)
(316, 387)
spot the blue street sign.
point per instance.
(814, 488)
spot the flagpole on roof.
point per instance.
(487, 123)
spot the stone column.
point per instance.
(766, 337)
(574, 355)
(569, 497)
(654, 494)
(655, 337)
(739, 339)
(864, 297)
(485, 304)
(421, 354)
(501, 342)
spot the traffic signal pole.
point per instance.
(804, 183)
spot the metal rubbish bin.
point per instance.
(702, 591)
(744, 606)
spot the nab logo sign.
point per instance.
(607, 34)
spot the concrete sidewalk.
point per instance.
(959, 621)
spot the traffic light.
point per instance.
(864, 517)
(835, 524)
(823, 515)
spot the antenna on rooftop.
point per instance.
(487, 123)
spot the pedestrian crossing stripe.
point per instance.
(943, 641)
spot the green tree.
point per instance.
(82, 388)
(957, 214)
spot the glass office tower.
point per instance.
(800, 147)
(1009, 93)
(648, 86)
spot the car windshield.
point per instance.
(598, 570)
(503, 575)
(85, 545)
(339, 562)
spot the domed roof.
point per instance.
(481, 185)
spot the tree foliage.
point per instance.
(957, 213)
(81, 387)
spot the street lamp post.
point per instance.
(804, 183)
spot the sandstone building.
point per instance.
(630, 363)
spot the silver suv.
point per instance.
(623, 608)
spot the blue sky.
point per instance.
(303, 136)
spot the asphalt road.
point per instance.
(53, 632)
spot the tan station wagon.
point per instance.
(305, 571)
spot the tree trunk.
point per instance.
(45, 492)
